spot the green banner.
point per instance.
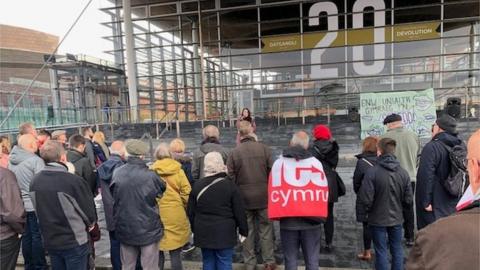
(417, 109)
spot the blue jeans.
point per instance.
(379, 237)
(217, 259)
(309, 240)
(72, 259)
(32, 245)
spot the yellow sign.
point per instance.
(354, 37)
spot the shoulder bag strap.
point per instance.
(368, 162)
(208, 186)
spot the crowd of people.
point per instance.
(225, 196)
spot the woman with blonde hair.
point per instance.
(172, 206)
(177, 150)
(100, 149)
(5, 148)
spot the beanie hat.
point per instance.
(136, 147)
(447, 123)
(213, 164)
(321, 132)
(392, 118)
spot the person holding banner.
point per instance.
(298, 197)
(384, 195)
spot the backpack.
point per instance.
(457, 180)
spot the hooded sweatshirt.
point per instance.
(25, 165)
(407, 150)
(385, 192)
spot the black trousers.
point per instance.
(9, 249)
(409, 219)
(367, 236)
(329, 226)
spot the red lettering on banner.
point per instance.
(297, 189)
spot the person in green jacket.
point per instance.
(406, 152)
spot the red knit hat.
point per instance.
(321, 132)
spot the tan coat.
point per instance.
(450, 243)
(173, 204)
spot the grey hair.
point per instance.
(211, 131)
(300, 138)
(162, 151)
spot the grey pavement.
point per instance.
(347, 238)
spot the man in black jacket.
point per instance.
(135, 211)
(385, 193)
(83, 168)
(431, 199)
(65, 209)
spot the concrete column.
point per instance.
(130, 65)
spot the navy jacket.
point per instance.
(135, 209)
(358, 175)
(105, 174)
(434, 168)
(386, 191)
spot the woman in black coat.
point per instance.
(366, 160)
(325, 149)
(216, 211)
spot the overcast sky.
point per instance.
(56, 16)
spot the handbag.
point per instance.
(341, 185)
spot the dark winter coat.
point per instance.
(299, 223)
(105, 174)
(64, 206)
(12, 212)
(385, 192)
(433, 169)
(135, 209)
(358, 175)
(249, 165)
(218, 213)
(209, 145)
(186, 162)
(327, 153)
(83, 168)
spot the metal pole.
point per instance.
(131, 68)
(202, 71)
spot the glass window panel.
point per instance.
(462, 10)
(417, 48)
(163, 9)
(417, 14)
(235, 3)
(281, 59)
(280, 27)
(282, 12)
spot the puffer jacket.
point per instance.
(83, 168)
(135, 209)
(25, 165)
(433, 169)
(327, 153)
(249, 165)
(209, 145)
(105, 174)
(173, 204)
(385, 192)
(365, 162)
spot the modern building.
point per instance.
(208, 59)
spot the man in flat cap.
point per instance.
(432, 200)
(406, 152)
(135, 211)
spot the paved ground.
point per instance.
(347, 237)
